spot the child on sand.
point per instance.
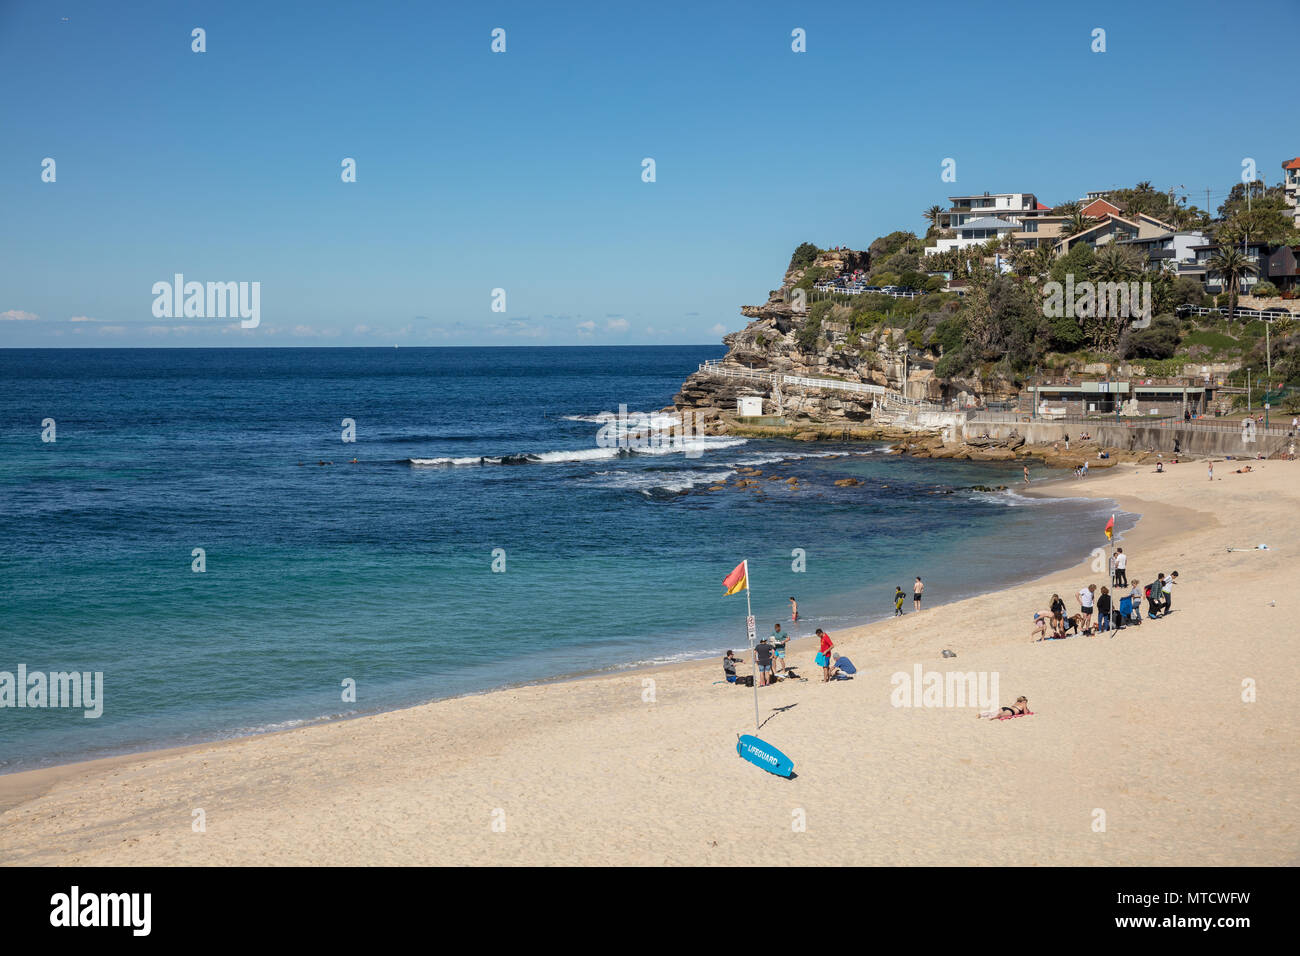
(899, 597)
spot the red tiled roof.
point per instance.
(1041, 206)
(1292, 163)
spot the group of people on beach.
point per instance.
(769, 653)
(1056, 622)
(770, 658)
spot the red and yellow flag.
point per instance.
(737, 580)
(1110, 528)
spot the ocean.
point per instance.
(482, 538)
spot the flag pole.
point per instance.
(753, 645)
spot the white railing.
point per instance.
(1243, 313)
(818, 287)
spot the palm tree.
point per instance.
(1039, 261)
(1232, 265)
(1076, 222)
(1113, 263)
(933, 214)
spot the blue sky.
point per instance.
(522, 170)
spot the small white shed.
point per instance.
(750, 406)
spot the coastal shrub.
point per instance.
(1065, 334)
(804, 254)
(808, 334)
(934, 283)
(953, 364)
(913, 279)
(1187, 291)
(901, 263)
(915, 338)
(1159, 340)
(884, 278)
(1076, 262)
(886, 246)
(868, 319)
(949, 335)
(1265, 289)
(811, 276)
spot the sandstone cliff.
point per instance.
(780, 339)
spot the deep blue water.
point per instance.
(381, 571)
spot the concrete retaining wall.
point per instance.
(1137, 437)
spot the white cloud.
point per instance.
(588, 326)
(82, 318)
(719, 329)
(18, 315)
(617, 325)
(361, 329)
(112, 329)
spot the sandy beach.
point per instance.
(1146, 732)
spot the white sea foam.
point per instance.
(635, 421)
(670, 482)
(772, 458)
(675, 447)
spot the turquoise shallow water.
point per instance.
(381, 572)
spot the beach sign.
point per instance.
(762, 754)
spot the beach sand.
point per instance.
(1148, 728)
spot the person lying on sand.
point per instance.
(1243, 471)
(1019, 708)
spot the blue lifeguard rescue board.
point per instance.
(763, 754)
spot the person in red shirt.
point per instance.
(823, 657)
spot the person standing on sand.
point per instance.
(1121, 568)
(1103, 610)
(779, 638)
(899, 597)
(1086, 603)
(1211, 467)
(917, 590)
(763, 657)
(1168, 590)
(1025, 469)
(823, 658)
(794, 610)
